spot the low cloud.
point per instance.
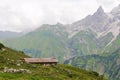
(32, 13)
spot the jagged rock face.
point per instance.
(97, 22)
(99, 15)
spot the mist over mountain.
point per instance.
(13, 21)
(9, 34)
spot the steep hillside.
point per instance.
(83, 43)
(113, 46)
(10, 60)
(86, 43)
(107, 64)
(9, 57)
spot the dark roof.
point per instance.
(40, 60)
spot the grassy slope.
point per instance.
(59, 72)
(9, 58)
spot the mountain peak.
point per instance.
(59, 24)
(99, 13)
(100, 10)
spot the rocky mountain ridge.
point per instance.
(100, 22)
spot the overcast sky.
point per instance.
(20, 15)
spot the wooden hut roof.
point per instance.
(40, 60)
